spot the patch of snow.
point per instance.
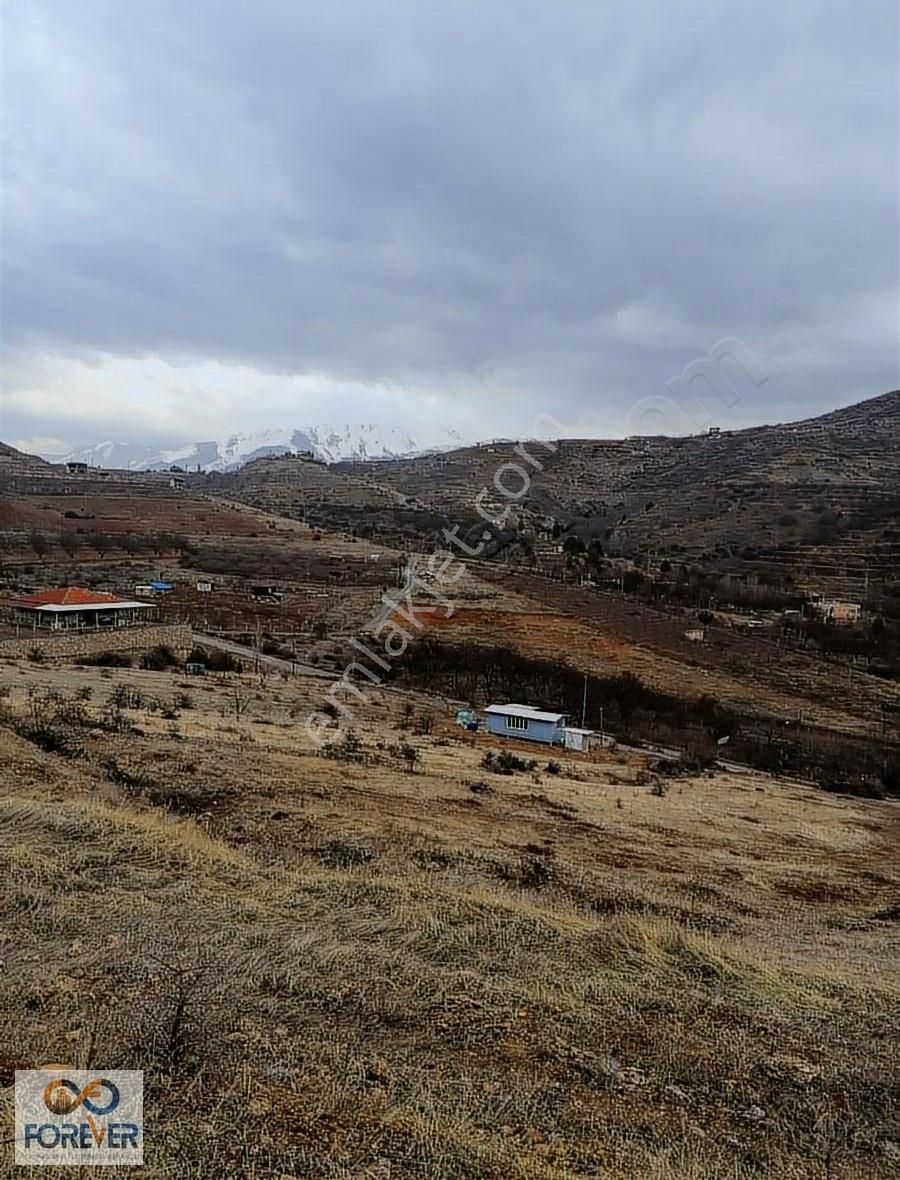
(330, 443)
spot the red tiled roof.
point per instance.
(66, 596)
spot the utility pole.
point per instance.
(584, 702)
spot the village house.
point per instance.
(840, 613)
(71, 607)
(521, 721)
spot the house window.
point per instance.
(516, 722)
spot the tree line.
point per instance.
(637, 712)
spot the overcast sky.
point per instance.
(221, 215)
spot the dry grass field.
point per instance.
(341, 967)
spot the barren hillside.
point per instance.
(13, 461)
(725, 494)
(586, 967)
(815, 501)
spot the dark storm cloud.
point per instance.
(567, 200)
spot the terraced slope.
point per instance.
(12, 460)
(282, 485)
(819, 497)
(856, 448)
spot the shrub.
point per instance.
(535, 872)
(157, 659)
(344, 854)
(105, 659)
(123, 696)
(410, 755)
(215, 660)
(506, 762)
(187, 800)
(687, 764)
(134, 782)
(51, 723)
(348, 749)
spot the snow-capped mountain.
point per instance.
(329, 443)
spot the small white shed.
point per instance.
(576, 738)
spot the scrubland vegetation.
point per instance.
(496, 967)
(420, 953)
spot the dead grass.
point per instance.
(680, 994)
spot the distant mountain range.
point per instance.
(813, 504)
(329, 443)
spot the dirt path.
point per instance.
(248, 653)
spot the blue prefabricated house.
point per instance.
(521, 721)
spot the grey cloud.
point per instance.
(464, 197)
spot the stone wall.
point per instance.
(84, 643)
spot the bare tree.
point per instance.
(240, 700)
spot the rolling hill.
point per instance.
(813, 504)
(18, 461)
(812, 500)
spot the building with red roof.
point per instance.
(73, 607)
